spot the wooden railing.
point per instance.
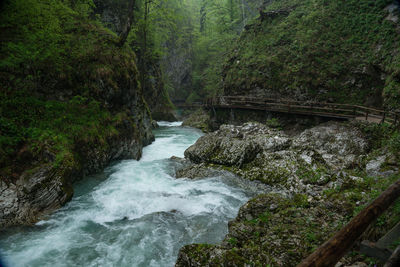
(324, 109)
(330, 252)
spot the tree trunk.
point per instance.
(144, 52)
(203, 14)
(128, 24)
(231, 9)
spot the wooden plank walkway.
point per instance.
(321, 109)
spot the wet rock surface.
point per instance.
(257, 152)
(199, 171)
(236, 145)
(199, 119)
(269, 229)
(48, 187)
(40, 192)
(317, 181)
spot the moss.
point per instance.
(232, 257)
(197, 252)
(274, 123)
(270, 175)
(295, 227)
(318, 175)
(300, 54)
(285, 234)
(71, 58)
(232, 241)
(300, 201)
(199, 119)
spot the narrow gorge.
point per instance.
(198, 132)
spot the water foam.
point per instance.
(138, 216)
(169, 124)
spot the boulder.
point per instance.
(200, 119)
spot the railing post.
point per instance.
(384, 116)
(366, 115)
(265, 108)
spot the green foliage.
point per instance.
(50, 125)
(221, 23)
(332, 50)
(264, 217)
(232, 241)
(54, 63)
(82, 7)
(274, 123)
(382, 135)
(48, 45)
(376, 133)
(193, 97)
(199, 33)
(301, 200)
(394, 142)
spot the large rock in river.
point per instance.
(315, 190)
(236, 145)
(257, 152)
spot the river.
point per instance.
(135, 213)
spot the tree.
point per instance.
(128, 24)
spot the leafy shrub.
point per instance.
(274, 123)
(394, 143)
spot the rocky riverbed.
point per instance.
(199, 119)
(318, 180)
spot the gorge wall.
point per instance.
(113, 14)
(337, 51)
(71, 104)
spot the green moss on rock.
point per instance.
(300, 55)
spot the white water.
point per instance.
(133, 214)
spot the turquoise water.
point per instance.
(135, 213)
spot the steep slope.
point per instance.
(70, 103)
(113, 15)
(344, 51)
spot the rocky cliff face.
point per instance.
(156, 94)
(199, 119)
(46, 186)
(113, 14)
(178, 67)
(61, 123)
(40, 184)
(318, 180)
(294, 50)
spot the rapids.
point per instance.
(135, 213)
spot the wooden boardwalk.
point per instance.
(329, 253)
(308, 108)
